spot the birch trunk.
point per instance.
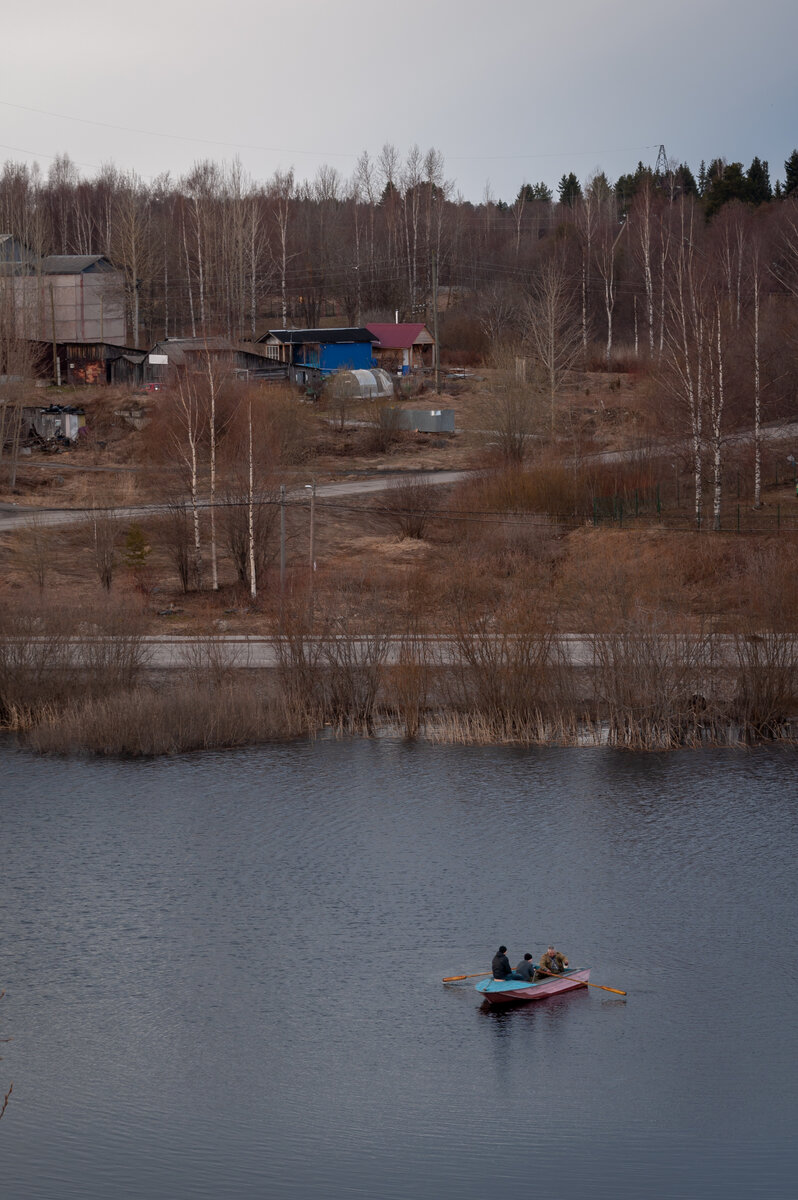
(757, 384)
(212, 438)
(188, 278)
(253, 587)
(716, 403)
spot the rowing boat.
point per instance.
(502, 991)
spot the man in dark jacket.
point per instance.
(501, 964)
(525, 969)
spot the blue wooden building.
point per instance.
(313, 354)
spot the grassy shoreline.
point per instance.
(188, 714)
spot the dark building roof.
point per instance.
(297, 337)
(179, 350)
(75, 264)
(15, 257)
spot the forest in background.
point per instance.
(219, 252)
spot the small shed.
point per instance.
(191, 355)
(56, 423)
(90, 362)
(404, 346)
(425, 420)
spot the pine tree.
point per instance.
(569, 189)
(728, 182)
(685, 181)
(791, 174)
(137, 551)
(758, 177)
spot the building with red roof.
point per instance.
(406, 345)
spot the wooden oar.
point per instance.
(453, 978)
(587, 983)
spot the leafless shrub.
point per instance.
(384, 426)
(766, 684)
(650, 687)
(33, 551)
(214, 661)
(104, 529)
(110, 649)
(299, 657)
(34, 660)
(330, 674)
(235, 528)
(178, 538)
(513, 418)
(407, 682)
(353, 664)
(506, 674)
(410, 505)
(51, 654)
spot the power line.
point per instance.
(182, 137)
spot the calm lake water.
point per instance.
(224, 971)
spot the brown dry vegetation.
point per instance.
(498, 565)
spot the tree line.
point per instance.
(216, 251)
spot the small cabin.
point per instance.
(403, 347)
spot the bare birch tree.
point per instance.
(186, 437)
(552, 328)
(281, 192)
(685, 340)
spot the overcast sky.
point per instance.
(509, 92)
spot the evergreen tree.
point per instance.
(137, 550)
(628, 185)
(759, 189)
(569, 190)
(599, 187)
(702, 178)
(625, 188)
(728, 182)
(791, 176)
(542, 193)
(684, 180)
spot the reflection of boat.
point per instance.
(500, 991)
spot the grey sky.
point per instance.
(508, 92)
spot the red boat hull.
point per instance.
(507, 991)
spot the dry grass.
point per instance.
(143, 722)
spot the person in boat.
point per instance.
(525, 969)
(501, 964)
(552, 962)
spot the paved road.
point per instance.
(11, 516)
(167, 651)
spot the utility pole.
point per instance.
(312, 489)
(435, 322)
(282, 546)
(253, 587)
(56, 364)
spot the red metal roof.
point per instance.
(398, 337)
